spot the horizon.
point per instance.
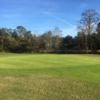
(40, 17)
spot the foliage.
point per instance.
(21, 40)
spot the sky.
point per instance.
(42, 15)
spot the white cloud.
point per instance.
(57, 18)
(11, 15)
(70, 28)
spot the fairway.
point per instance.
(49, 77)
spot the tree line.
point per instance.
(21, 40)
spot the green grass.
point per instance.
(49, 77)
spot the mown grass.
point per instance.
(49, 77)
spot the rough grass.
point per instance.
(49, 77)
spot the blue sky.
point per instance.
(42, 15)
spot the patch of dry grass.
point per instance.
(47, 88)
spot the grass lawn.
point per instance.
(49, 77)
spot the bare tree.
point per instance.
(88, 22)
(57, 33)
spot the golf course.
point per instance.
(49, 77)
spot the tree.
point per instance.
(88, 24)
(14, 35)
(46, 40)
(21, 31)
(80, 40)
(98, 28)
(98, 35)
(4, 34)
(56, 39)
(67, 43)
